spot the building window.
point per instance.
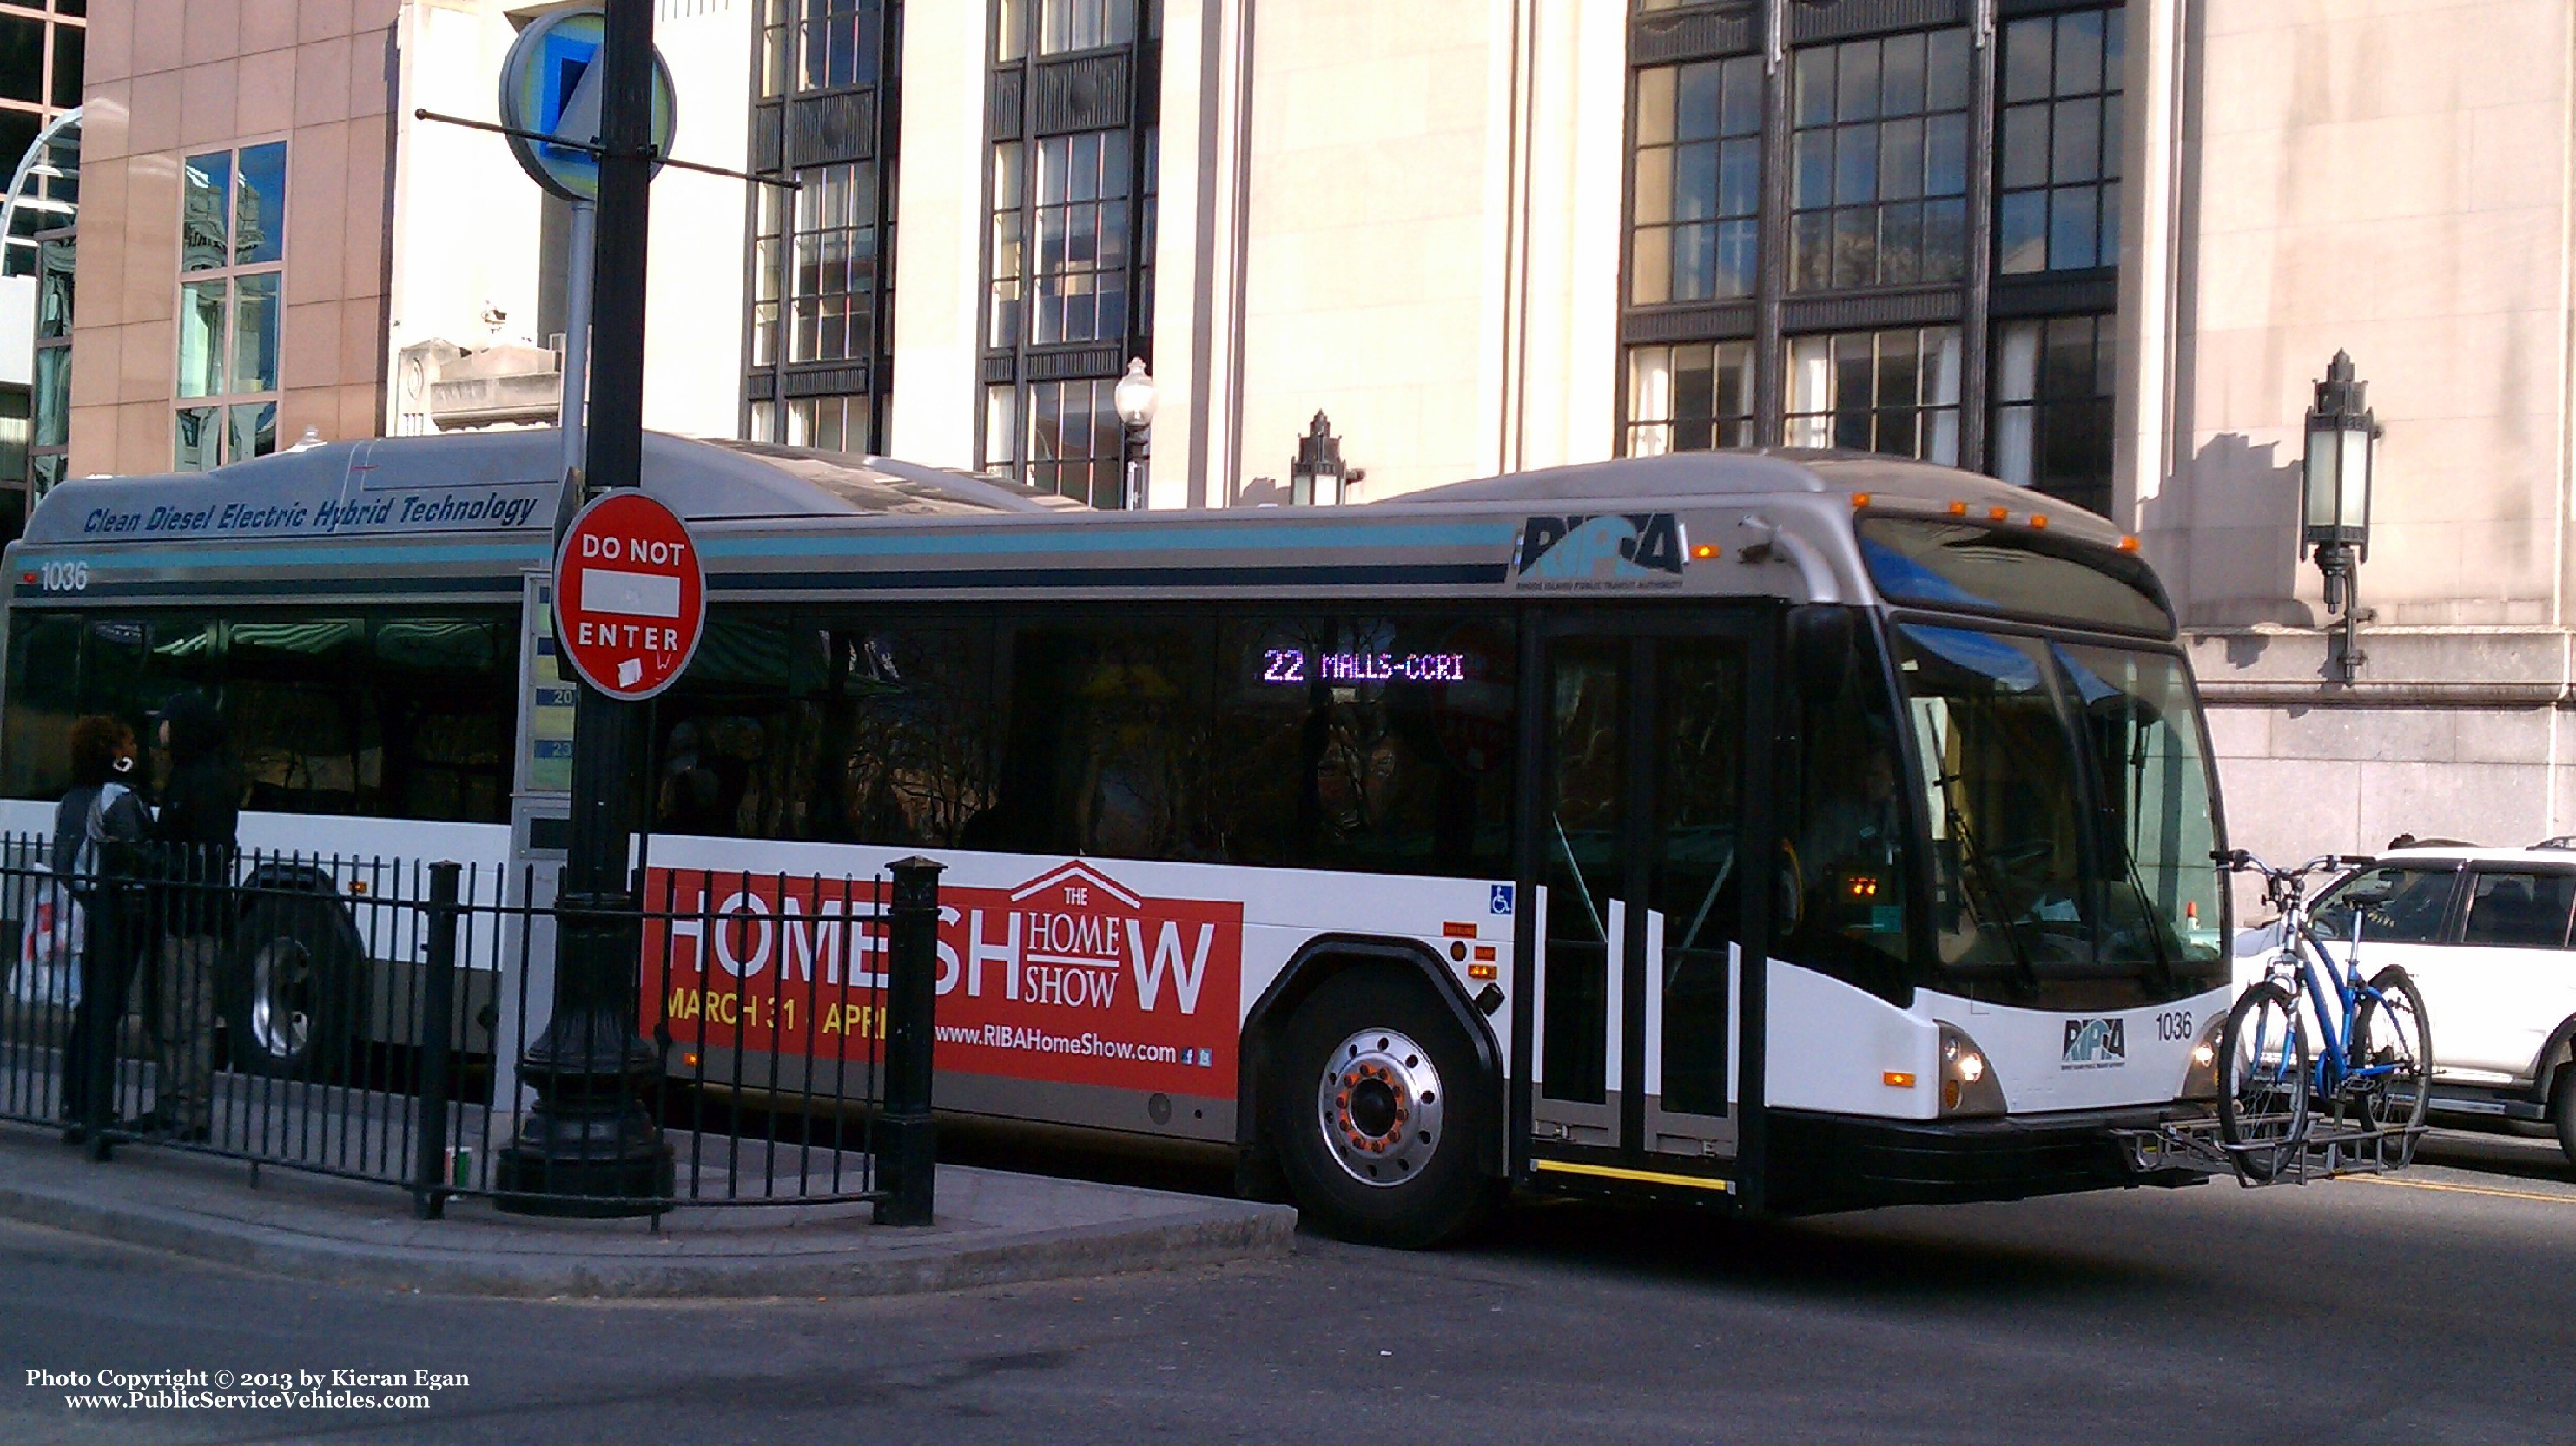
(1072, 444)
(1880, 162)
(2057, 177)
(1772, 208)
(1069, 267)
(822, 279)
(1884, 391)
(831, 261)
(41, 43)
(820, 45)
(837, 42)
(2053, 396)
(51, 398)
(1072, 283)
(1698, 182)
(1689, 398)
(1064, 25)
(40, 79)
(833, 424)
(231, 245)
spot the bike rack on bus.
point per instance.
(2331, 1149)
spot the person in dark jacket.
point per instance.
(97, 827)
(194, 841)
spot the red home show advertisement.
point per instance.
(1069, 978)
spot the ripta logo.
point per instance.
(1635, 547)
(2096, 1044)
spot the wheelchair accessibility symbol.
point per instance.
(1502, 899)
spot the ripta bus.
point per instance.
(1780, 831)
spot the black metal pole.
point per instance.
(430, 1182)
(588, 1145)
(907, 1149)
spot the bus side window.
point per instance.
(907, 757)
(306, 739)
(35, 732)
(1107, 746)
(445, 692)
(114, 665)
(740, 731)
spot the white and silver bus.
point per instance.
(1790, 831)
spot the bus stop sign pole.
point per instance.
(587, 1147)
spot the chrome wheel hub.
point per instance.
(280, 975)
(1379, 1105)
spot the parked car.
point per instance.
(2486, 934)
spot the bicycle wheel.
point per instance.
(2390, 1032)
(2263, 1082)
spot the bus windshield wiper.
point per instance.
(1982, 870)
(2155, 921)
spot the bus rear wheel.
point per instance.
(293, 1004)
(1376, 1109)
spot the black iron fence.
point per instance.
(368, 1019)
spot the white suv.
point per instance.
(2486, 934)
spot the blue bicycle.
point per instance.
(2370, 1065)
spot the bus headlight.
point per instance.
(2200, 1076)
(1968, 1083)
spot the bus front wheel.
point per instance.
(1376, 1109)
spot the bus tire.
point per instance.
(1376, 1104)
(294, 982)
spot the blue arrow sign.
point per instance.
(550, 84)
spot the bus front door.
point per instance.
(1640, 818)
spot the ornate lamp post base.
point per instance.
(598, 1187)
(587, 1147)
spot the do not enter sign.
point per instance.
(630, 598)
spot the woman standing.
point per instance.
(96, 828)
(200, 811)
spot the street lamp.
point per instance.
(2341, 436)
(1318, 473)
(1134, 399)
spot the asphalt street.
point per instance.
(2429, 1309)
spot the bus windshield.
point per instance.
(2067, 795)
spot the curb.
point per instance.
(1221, 1231)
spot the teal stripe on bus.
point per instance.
(180, 555)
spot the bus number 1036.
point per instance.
(64, 576)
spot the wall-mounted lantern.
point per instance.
(1319, 474)
(2336, 531)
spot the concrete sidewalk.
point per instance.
(993, 1227)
